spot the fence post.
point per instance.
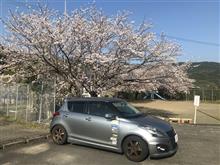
(7, 113)
(54, 99)
(26, 115)
(16, 103)
(203, 95)
(0, 101)
(41, 99)
(212, 94)
(32, 100)
(31, 105)
(47, 98)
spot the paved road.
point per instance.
(198, 145)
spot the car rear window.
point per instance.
(77, 106)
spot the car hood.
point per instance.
(152, 121)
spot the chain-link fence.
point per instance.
(35, 103)
(23, 107)
(205, 94)
(27, 102)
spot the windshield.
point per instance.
(126, 110)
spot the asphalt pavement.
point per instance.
(198, 145)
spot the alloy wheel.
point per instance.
(133, 148)
(59, 135)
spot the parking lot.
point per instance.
(198, 145)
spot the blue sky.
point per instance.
(194, 24)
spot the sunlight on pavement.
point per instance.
(63, 158)
(8, 163)
(33, 150)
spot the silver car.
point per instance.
(113, 124)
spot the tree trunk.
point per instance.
(136, 95)
(93, 94)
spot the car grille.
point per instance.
(171, 134)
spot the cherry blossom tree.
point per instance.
(90, 50)
(2, 58)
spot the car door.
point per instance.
(77, 119)
(102, 130)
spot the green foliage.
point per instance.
(206, 74)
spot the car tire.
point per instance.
(59, 135)
(135, 148)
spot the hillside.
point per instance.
(206, 74)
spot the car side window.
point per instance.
(77, 106)
(99, 109)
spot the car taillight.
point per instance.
(56, 114)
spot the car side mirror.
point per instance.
(110, 116)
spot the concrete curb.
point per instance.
(23, 140)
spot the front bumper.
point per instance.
(164, 154)
(163, 147)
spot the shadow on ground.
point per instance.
(156, 112)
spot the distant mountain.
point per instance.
(206, 74)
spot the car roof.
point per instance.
(98, 99)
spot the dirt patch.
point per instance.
(13, 130)
(183, 109)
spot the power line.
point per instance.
(192, 40)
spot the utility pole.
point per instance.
(65, 13)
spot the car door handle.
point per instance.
(88, 118)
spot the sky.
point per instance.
(194, 24)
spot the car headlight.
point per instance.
(154, 132)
